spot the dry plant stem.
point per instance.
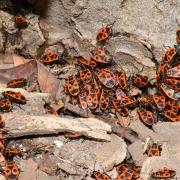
(25, 125)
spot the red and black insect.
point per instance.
(127, 102)
(95, 87)
(11, 171)
(120, 94)
(164, 173)
(122, 110)
(170, 93)
(17, 83)
(122, 80)
(162, 70)
(72, 85)
(171, 116)
(50, 57)
(100, 176)
(123, 104)
(89, 63)
(136, 172)
(107, 78)
(124, 172)
(146, 117)
(169, 55)
(154, 150)
(92, 100)
(173, 82)
(15, 97)
(101, 55)
(174, 72)
(83, 97)
(86, 76)
(74, 135)
(5, 105)
(104, 100)
(172, 105)
(159, 100)
(104, 33)
(21, 21)
(140, 81)
(10, 152)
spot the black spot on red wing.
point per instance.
(110, 83)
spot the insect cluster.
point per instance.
(100, 89)
(10, 97)
(7, 166)
(131, 172)
(124, 171)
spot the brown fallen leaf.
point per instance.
(18, 60)
(6, 59)
(49, 83)
(27, 70)
(34, 71)
(12, 60)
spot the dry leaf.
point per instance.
(18, 60)
(49, 83)
(27, 70)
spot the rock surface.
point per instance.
(32, 120)
(74, 24)
(168, 131)
(164, 133)
(103, 155)
(137, 152)
(153, 164)
(139, 37)
(26, 41)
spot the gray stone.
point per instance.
(7, 26)
(143, 131)
(131, 55)
(32, 37)
(153, 164)
(40, 175)
(132, 17)
(7, 22)
(91, 154)
(137, 152)
(168, 131)
(55, 23)
(168, 134)
(34, 105)
(27, 41)
(74, 24)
